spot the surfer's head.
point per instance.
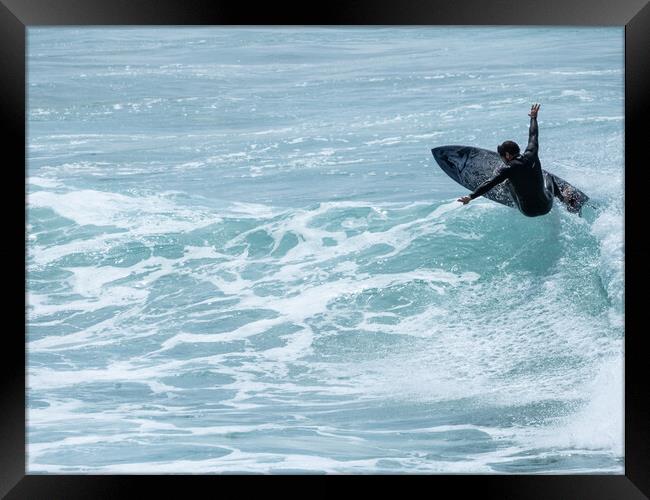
(508, 150)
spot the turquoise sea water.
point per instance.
(242, 256)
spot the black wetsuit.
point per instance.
(531, 190)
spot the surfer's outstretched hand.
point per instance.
(534, 110)
(464, 200)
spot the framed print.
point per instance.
(382, 240)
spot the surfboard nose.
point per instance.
(442, 156)
(452, 159)
(439, 154)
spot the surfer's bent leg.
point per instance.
(568, 196)
(557, 192)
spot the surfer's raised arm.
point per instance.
(531, 149)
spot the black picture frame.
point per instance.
(17, 15)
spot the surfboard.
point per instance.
(470, 167)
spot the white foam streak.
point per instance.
(140, 215)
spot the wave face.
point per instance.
(242, 257)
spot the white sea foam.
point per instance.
(44, 182)
(599, 424)
(141, 216)
(597, 119)
(588, 72)
(581, 94)
(608, 228)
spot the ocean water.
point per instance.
(242, 257)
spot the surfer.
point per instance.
(531, 189)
